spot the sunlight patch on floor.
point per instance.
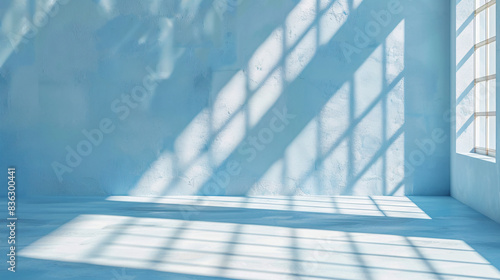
(243, 251)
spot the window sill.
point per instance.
(480, 157)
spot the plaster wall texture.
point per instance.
(226, 97)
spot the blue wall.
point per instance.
(474, 178)
(226, 97)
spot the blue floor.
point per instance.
(125, 238)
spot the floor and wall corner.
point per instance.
(249, 139)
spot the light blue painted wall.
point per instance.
(474, 178)
(231, 97)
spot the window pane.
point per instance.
(492, 94)
(492, 22)
(492, 132)
(480, 131)
(481, 26)
(492, 65)
(485, 65)
(480, 62)
(481, 97)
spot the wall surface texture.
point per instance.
(226, 97)
(474, 179)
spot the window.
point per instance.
(485, 77)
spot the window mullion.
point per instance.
(486, 88)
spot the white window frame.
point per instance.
(483, 6)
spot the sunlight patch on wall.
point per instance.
(228, 139)
(356, 3)
(192, 177)
(395, 106)
(395, 53)
(229, 99)
(332, 19)
(299, 21)
(334, 120)
(157, 177)
(368, 80)
(265, 58)
(367, 140)
(359, 119)
(300, 56)
(193, 139)
(275, 181)
(265, 97)
(395, 165)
